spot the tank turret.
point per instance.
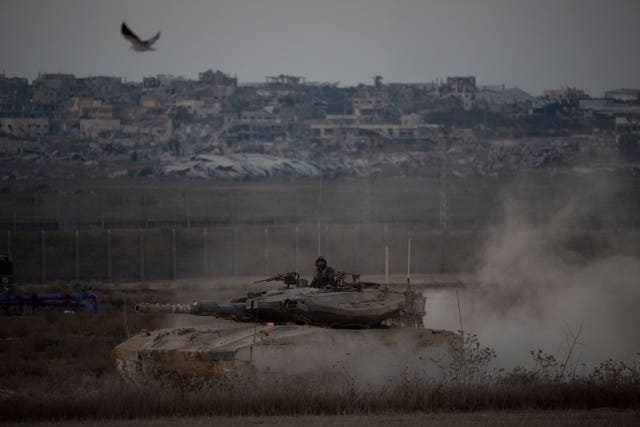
(348, 304)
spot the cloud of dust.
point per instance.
(533, 292)
(533, 289)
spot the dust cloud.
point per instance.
(535, 290)
(544, 274)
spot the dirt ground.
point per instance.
(600, 417)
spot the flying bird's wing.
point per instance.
(129, 35)
(152, 40)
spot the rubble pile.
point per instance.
(466, 158)
(237, 166)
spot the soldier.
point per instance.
(324, 275)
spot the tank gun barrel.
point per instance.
(234, 311)
(144, 307)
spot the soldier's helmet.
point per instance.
(320, 261)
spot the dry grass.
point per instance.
(592, 418)
(59, 367)
(112, 399)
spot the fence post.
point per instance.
(326, 241)
(205, 252)
(142, 255)
(232, 221)
(412, 239)
(187, 210)
(109, 276)
(266, 251)
(101, 213)
(386, 238)
(444, 251)
(14, 203)
(273, 208)
(124, 213)
(43, 255)
(9, 244)
(235, 251)
(173, 254)
(57, 205)
(145, 217)
(357, 248)
(409, 259)
(297, 248)
(474, 193)
(473, 240)
(319, 240)
(163, 219)
(77, 255)
(386, 266)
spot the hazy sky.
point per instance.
(591, 44)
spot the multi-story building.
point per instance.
(347, 128)
(217, 78)
(24, 127)
(463, 88)
(14, 95)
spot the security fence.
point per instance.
(470, 205)
(170, 253)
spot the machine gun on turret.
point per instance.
(289, 279)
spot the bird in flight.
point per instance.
(137, 44)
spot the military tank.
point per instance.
(364, 328)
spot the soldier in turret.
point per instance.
(324, 274)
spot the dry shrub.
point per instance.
(115, 400)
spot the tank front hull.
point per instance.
(276, 353)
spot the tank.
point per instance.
(297, 332)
